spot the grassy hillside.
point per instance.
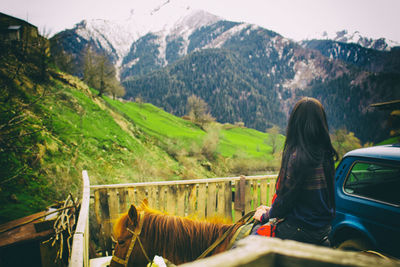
(53, 127)
(167, 128)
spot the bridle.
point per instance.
(135, 236)
(136, 232)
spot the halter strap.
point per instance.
(135, 236)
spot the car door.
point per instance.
(369, 200)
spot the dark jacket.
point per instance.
(304, 204)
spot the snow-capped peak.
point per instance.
(165, 16)
(154, 16)
(358, 38)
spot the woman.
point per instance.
(305, 197)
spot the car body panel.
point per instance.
(375, 220)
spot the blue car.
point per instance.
(368, 201)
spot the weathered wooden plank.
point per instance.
(152, 196)
(171, 199)
(113, 204)
(104, 209)
(23, 230)
(123, 200)
(105, 223)
(97, 205)
(141, 194)
(191, 199)
(181, 199)
(211, 200)
(238, 213)
(157, 196)
(220, 198)
(227, 193)
(239, 194)
(254, 194)
(80, 246)
(247, 197)
(131, 197)
(163, 190)
(267, 197)
(264, 192)
(201, 200)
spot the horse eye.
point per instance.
(121, 242)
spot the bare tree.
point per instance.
(99, 73)
(273, 140)
(198, 111)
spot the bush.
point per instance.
(210, 144)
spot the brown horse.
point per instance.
(143, 233)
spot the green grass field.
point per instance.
(233, 141)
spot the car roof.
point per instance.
(389, 152)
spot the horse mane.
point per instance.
(179, 239)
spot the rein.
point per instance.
(245, 219)
(135, 236)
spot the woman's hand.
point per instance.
(259, 212)
(262, 207)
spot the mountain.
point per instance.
(344, 36)
(366, 59)
(115, 38)
(244, 72)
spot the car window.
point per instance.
(375, 181)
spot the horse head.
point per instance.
(143, 233)
(129, 237)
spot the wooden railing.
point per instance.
(80, 244)
(204, 198)
(256, 251)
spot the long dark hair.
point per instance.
(307, 136)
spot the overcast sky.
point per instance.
(295, 19)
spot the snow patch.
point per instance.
(306, 71)
(222, 38)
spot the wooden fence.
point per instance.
(204, 198)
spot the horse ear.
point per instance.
(133, 214)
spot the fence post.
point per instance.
(240, 197)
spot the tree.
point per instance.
(273, 140)
(89, 68)
(198, 111)
(43, 51)
(344, 141)
(99, 73)
(63, 61)
(115, 88)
